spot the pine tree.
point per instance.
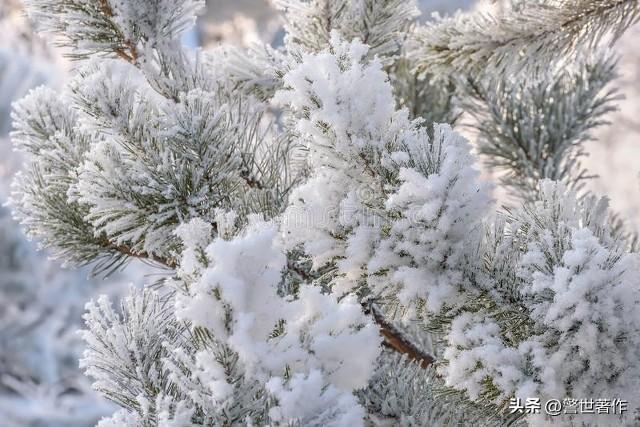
(332, 255)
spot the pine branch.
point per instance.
(126, 250)
(397, 340)
(537, 130)
(403, 393)
(102, 27)
(130, 57)
(381, 24)
(535, 36)
(394, 338)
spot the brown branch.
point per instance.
(132, 55)
(123, 55)
(125, 250)
(105, 8)
(394, 338)
(397, 340)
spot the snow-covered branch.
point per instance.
(534, 34)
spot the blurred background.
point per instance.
(41, 304)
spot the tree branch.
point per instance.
(126, 250)
(548, 30)
(397, 340)
(394, 338)
(132, 55)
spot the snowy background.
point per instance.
(41, 304)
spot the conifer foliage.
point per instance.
(332, 255)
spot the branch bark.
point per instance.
(394, 338)
(129, 53)
(125, 250)
(397, 340)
